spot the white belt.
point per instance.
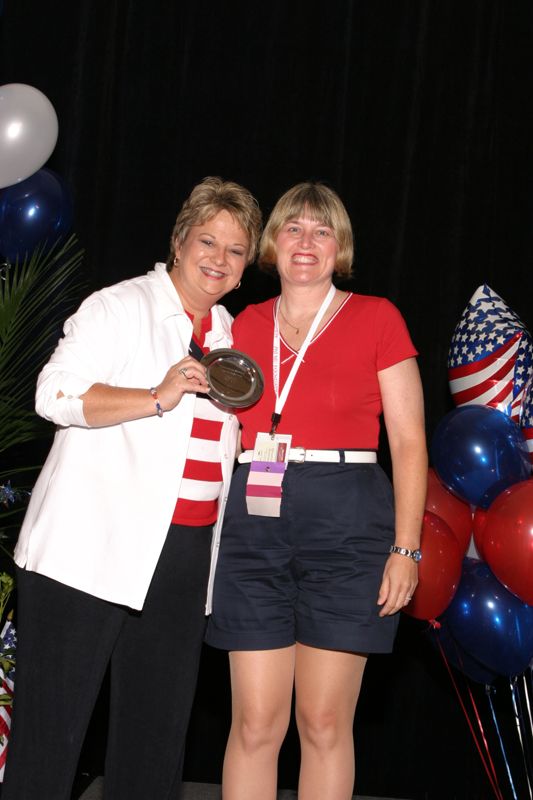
(300, 454)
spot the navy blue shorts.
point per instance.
(313, 574)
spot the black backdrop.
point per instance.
(417, 111)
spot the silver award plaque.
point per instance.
(234, 379)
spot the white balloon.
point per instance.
(28, 132)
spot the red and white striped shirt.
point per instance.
(197, 503)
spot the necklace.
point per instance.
(297, 329)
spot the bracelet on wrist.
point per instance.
(158, 409)
(416, 555)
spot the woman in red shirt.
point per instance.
(318, 552)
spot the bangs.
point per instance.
(309, 203)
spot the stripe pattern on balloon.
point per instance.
(491, 355)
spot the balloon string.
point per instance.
(530, 728)
(482, 733)
(527, 740)
(528, 691)
(500, 740)
(519, 726)
(527, 702)
(529, 683)
(491, 772)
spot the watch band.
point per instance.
(416, 555)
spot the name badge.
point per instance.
(264, 485)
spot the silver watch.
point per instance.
(416, 555)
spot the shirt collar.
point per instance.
(170, 305)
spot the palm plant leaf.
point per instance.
(35, 297)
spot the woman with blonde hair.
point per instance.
(318, 554)
(115, 550)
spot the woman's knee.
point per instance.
(323, 729)
(258, 729)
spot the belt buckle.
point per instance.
(297, 454)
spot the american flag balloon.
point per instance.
(526, 417)
(491, 355)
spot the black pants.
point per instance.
(67, 639)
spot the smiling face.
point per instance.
(211, 261)
(306, 252)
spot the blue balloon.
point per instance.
(490, 623)
(477, 452)
(457, 655)
(32, 212)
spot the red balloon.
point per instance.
(478, 524)
(439, 570)
(450, 508)
(508, 539)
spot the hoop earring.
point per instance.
(238, 285)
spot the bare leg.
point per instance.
(261, 684)
(327, 689)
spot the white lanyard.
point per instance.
(276, 350)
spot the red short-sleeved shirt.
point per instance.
(335, 400)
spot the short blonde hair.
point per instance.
(319, 202)
(205, 201)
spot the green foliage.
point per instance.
(7, 642)
(7, 584)
(35, 297)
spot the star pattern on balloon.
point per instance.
(526, 416)
(491, 355)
